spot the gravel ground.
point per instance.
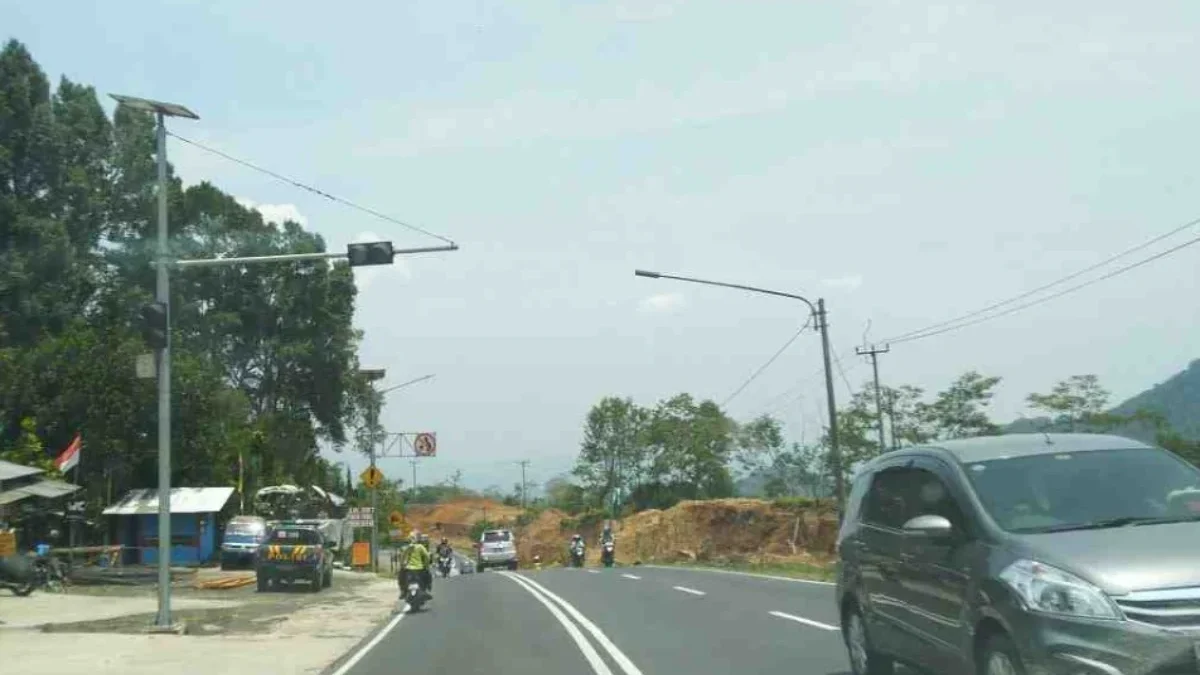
(231, 631)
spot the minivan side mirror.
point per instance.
(929, 526)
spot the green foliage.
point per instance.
(564, 495)
(263, 356)
(587, 520)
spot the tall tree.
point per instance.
(691, 443)
(960, 411)
(1074, 402)
(613, 455)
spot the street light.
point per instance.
(161, 111)
(818, 313)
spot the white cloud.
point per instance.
(848, 283)
(275, 213)
(662, 302)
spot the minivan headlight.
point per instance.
(1050, 590)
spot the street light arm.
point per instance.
(752, 289)
(405, 384)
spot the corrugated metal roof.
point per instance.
(10, 471)
(47, 489)
(183, 500)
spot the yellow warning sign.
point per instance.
(372, 477)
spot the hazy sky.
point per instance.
(908, 163)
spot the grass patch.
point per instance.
(795, 570)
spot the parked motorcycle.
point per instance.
(444, 563)
(607, 552)
(17, 574)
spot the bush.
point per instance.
(584, 521)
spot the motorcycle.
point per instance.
(577, 555)
(444, 564)
(607, 553)
(414, 595)
(18, 574)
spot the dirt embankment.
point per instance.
(454, 520)
(721, 530)
(726, 530)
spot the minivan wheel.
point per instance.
(864, 660)
(1000, 657)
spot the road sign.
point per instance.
(360, 516)
(425, 445)
(372, 477)
(396, 518)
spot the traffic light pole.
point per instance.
(162, 295)
(295, 257)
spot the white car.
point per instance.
(497, 548)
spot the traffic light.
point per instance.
(371, 253)
(154, 324)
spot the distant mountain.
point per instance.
(1177, 400)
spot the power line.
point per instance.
(838, 360)
(1074, 275)
(1117, 272)
(309, 188)
(767, 364)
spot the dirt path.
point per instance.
(238, 631)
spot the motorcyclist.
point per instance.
(576, 546)
(416, 561)
(444, 551)
(607, 534)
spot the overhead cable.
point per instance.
(309, 188)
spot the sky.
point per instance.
(907, 162)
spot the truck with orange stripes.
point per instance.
(291, 553)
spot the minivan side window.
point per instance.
(901, 493)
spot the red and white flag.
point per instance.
(69, 458)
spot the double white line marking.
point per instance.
(557, 607)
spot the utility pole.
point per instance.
(414, 483)
(524, 463)
(874, 351)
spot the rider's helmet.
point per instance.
(415, 537)
(424, 539)
(445, 542)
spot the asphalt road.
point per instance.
(620, 621)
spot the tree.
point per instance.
(613, 453)
(691, 444)
(960, 411)
(264, 356)
(564, 495)
(1076, 401)
(901, 405)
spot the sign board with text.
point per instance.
(361, 516)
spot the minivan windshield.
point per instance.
(1085, 490)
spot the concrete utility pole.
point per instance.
(524, 463)
(414, 483)
(874, 351)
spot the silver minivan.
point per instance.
(497, 548)
(1024, 554)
